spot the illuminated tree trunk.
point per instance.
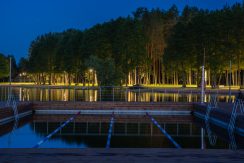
(226, 78)
(50, 79)
(190, 77)
(209, 77)
(220, 77)
(177, 78)
(96, 77)
(129, 79)
(243, 78)
(239, 70)
(83, 80)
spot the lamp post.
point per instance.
(9, 89)
(202, 138)
(10, 66)
(203, 78)
(230, 83)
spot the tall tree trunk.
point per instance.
(177, 78)
(226, 78)
(239, 70)
(220, 77)
(190, 81)
(93, 78)
(174, 77)
(50, 79)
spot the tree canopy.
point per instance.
(149, 47)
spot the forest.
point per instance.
(147, 47)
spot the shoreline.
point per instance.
(151, 86)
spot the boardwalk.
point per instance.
(121, 155)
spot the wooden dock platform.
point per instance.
(121, 155)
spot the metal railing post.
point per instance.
(202, 139)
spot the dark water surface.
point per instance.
(107, 94)
(92, 131)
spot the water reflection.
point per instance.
(85, 94)
(91, 131)
(128, 131)
(134, 131)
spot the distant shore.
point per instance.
(158, 88)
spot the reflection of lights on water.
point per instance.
(205, 75)
(205, 98)
(26, 94)
(93, 95)
(91, 98)
(65, 95)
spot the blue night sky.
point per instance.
(21, 21)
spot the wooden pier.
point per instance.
(121, 155)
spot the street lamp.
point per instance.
(203, 78)
(10, 66)
(230, 83)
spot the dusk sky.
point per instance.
(21, 21)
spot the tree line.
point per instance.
(149, 47)
(5, 68)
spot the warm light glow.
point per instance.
(22, 74)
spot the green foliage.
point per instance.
(107, 72)
(42, 53)
(219, 33)
(23, 65)
(4, 66)
(155, 44)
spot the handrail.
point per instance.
(11, 102)
(231, 127)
